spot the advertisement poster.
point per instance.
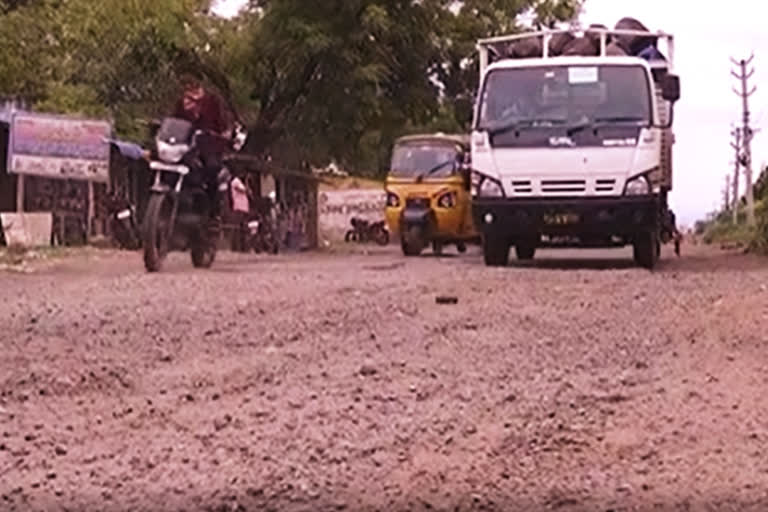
(59, 147)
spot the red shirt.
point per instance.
(205, 112)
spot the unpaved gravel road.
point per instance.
(316, 382)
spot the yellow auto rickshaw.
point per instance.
(428, 193)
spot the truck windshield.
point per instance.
(412, 160)
(565, 95)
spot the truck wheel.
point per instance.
(437, 248)
(525, 251)
(495, 252)
(647, 249)
(461, 247)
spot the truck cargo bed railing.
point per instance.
(490, 44)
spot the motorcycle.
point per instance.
(261, 230)
(123, 220)
(364, 231)
(122, 223)
(262, 237)
(179, 211)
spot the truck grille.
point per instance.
(563, 186)
(604, 186)
(522, 186)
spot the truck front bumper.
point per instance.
(586, 217)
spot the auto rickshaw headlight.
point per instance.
(447, 200)
(392, 200)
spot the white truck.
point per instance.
(574, 150)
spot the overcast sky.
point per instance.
(705, 40)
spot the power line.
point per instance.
(746, 155)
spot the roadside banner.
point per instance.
(60, 147)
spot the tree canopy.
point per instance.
(337, 80)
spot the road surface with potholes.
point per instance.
(329, 382)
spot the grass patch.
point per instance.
(19, 255)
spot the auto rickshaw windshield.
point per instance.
(412, 160)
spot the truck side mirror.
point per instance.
(670, 88)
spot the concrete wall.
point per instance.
(337, 207)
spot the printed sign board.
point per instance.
(59, 147)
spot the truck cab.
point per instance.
(573, 150)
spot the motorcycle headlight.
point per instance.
(638, 186)
(488, 187)
(171, 153)
(392, 200)
(447, 200)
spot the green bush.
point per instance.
(760, 239)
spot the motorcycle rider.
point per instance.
(206, 112)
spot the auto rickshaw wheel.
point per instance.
(461, 247)
(437, 248)
(412, 241)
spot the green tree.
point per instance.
(340, 80)
(110, 58)
(343, 79)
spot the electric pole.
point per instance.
(736, 145)
(746, 156)
(727, 193)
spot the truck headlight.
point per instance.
(488, 187)
(639, 186)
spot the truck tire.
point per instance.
(647, 250)
(525, 251)
(495, 252)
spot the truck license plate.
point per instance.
(561, 219)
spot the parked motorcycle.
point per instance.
(364, 231)
(262, 236)
(262, 230)
(123, 223)
(178, 214)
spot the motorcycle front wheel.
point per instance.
(156, 220)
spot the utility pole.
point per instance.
(727, 193)
(746, 157)
(736, 145)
